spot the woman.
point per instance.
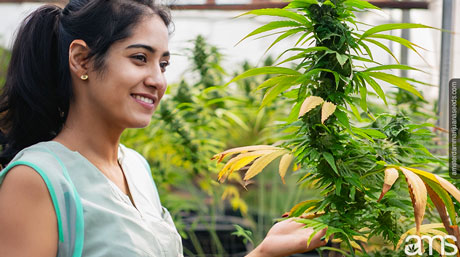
(78, 77)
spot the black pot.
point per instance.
(233, 246)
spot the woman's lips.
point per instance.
(147, 101)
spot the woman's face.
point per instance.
(133, 82)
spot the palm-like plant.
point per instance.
(342, 147)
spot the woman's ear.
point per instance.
(78, 53)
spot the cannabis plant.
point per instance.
(354, 155)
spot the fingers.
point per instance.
(316, 240)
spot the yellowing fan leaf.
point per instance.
(243, 149)
(391, 175)
(309, 103)
(449, 187)
(284, 165)
(439, 185)
(262, 162)
(418, 195)
(327, 110)
(441, 207)
(240, 161)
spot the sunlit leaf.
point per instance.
(284, 165)
(309, 103)
(284, 35)
(302, 207)
(243, 149)
(261, 163)
(384, 47)
(271, 26)
(361, 4)
(279, 13)
(391, 175)
(240, 161)
(395, 80)
(264, 70)
(392, 26)
(327, 110)
(375, 86)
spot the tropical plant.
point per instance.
(344, 148)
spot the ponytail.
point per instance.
(37, 93)
(30, 109)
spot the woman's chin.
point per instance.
(141, 123)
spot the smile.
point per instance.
(143, 99)
(146, 101)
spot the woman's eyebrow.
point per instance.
(148, 48)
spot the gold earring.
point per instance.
(84, 77)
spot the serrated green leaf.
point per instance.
(392, 66)
(395, 80)
(301, 4)
(392, 26)
(273, 92)
(305, 50)
(363, 94)
(285, 35)
(275, 80)
(264, 70)
(373, 133)
(330, 159)
(343, 118)
(279, 13)
(341, 58)
(366, 47)
(375, 86)
(271, 26)
(361, 4)
(401, 41)
(384, 47)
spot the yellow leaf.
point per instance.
(243, 149)
(228, 168)
(449, 187)
(284, 165)
(261, 163)
(229, 192)
(327, 110)
(438, 180)
(309, 103)
(391, 175)
(418, 195)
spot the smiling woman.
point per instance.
(78, 77)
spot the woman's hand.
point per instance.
(288, 237)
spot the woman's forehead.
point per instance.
(150, 31)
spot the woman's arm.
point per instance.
(28, 224)
(286, 238)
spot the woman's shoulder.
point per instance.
(39, 153)
(40, 158)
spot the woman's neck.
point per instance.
(92, 137)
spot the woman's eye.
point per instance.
(140, 57)
(163, 65)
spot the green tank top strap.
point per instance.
(64, 196)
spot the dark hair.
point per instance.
(36, 96)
